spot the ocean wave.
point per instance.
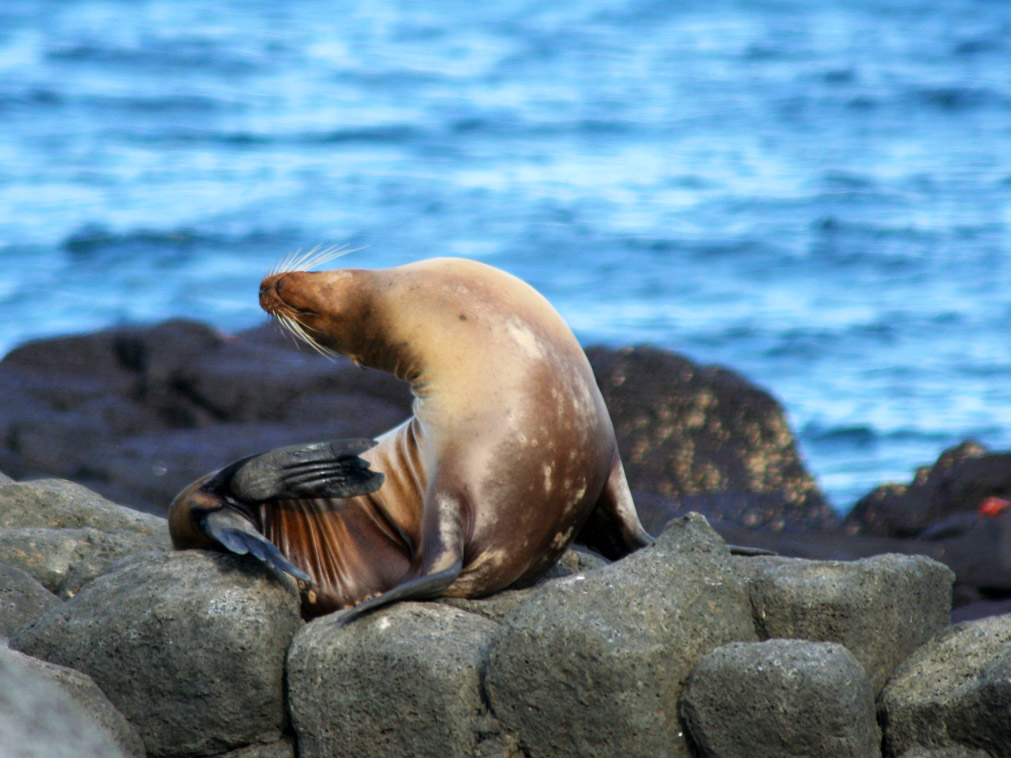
(956, 98)
(159, 54)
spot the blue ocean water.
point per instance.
(816, 193)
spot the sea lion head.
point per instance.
(329, 310)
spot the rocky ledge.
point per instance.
(680, 649)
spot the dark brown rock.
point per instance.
(961, 479)
(708, 440)
(137, 413)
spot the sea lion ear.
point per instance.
(317, 470)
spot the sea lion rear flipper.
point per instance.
(238, 535)
(317, 470)
(613, 528)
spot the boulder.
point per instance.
(401, 681)
(91, 700)
(60, 504)
(880, 608)
(955, 691)
(961, 479)
(22, 598)
(64, 535)
(283, 748)
(40, 719)
(500, 605)
(189, 646)
(943, 752)
(708, 439)
(137, 413)
(63, 560)
(781, 699)
(593, 664)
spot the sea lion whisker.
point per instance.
(300, 333)
(297, 261)
(317, 256)
(320, 255)
(300, 263)
(282, 264)
(288, 327)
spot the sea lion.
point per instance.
(510, 454)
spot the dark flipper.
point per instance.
(318, 470)
(426, 587)
(613, 528)
(744, 550)
(236, 533)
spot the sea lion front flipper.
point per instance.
(317, 470)
(439, 558)
(426, 587)
(237, 534)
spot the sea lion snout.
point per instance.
(292, 293)
(270, 296)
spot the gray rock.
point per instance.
(593, 665)
(64, 560)
(575, 560)
(40, 719)
(64, 535)
(284, 748)
(59, 504)
(401, 681)
(189, 646)
(500, 605)
(944, 752)
(496, 607)
(955, 691)
(880, 608)
(92, 701)
(781, 699)
(22, 598)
